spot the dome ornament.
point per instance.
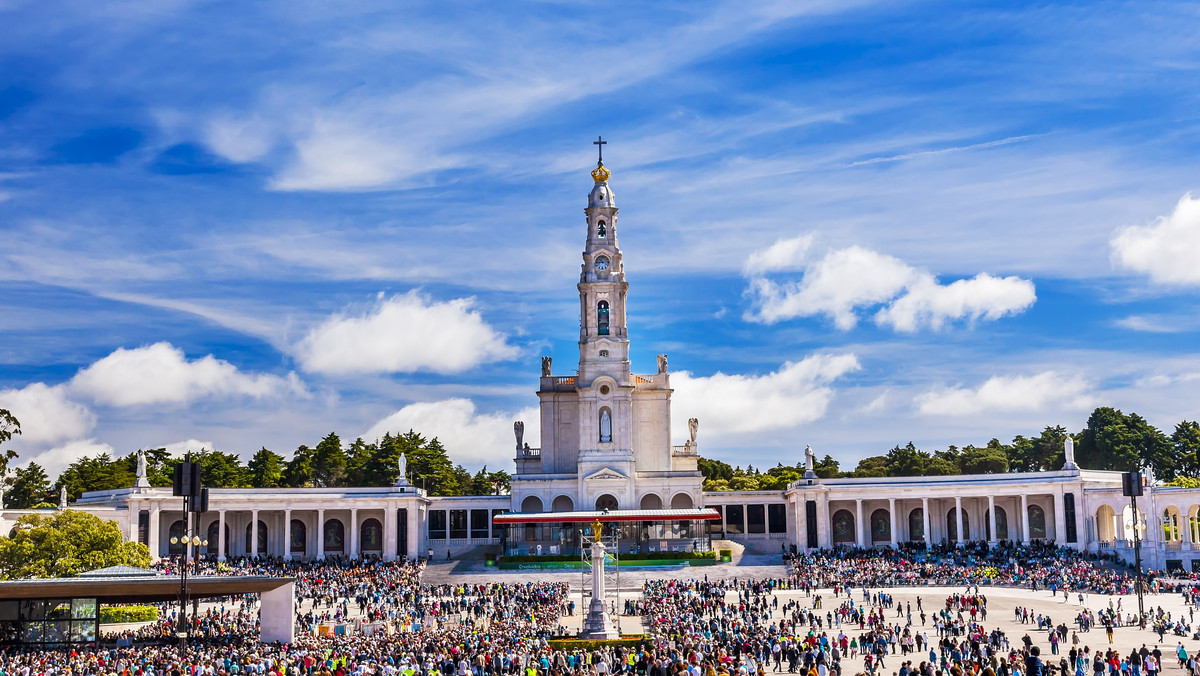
(600, 174)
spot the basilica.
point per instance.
(606, 455)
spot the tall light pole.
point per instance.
(1131, 486)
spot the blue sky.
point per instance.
(850, 224)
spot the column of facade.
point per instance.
(287, 535)
(1024, 519)
(1187, 528)
(1060, 519)
(858, 524)
(155, 543)
(221, 554)
(253, 533)
(925, 517)
(892, 516)
(992, 520)
(958, 519)
(414, 536)
(389, 533)
(354, 533)
(320, 534)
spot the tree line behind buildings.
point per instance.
(328, 464)
(1111, 440)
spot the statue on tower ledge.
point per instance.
(546, 361)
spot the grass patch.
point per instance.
(123, 614)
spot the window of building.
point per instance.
(776, 518)
(458, 524)
(602, 318)
(479, 523)
(437, 524)
(756, 518)
(734, 519)
(603, 353)
(718, 525)
(602, 230)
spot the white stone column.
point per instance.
(925, 517)
(155, 544)
(320, 535)
(287, 535)
(1060, 519)
(389, 533)
(958, 519)
(1024, 519)
(414, 528)
(992, 520)
(354, 533)
(254, 532)
(858, 523)
(221, 535)
(135, 514)
(892, 516)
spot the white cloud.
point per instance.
(784, 254)
(469, 437)
(726, 404)
(404, 334)
(845, 281)
(1166, 250)
(1045, 390)
(245, 140)
(46, 415)
(983, 296)
(836, 285)
(55, 460)
(179, 448)
(160, 373)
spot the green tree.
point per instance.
(329, 461)
(1113, 440)
(66, 543)
(299, 470)
(991, 459)
(9, 427)
(222, 470)
(98, 473)
(827, 468)
(159, 466)
(714, 469)
(266, 469)
(30, 486)
(1185, 444)
(358, 461)
(1038, 454)
(871, 466)
(906, 461)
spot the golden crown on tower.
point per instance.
(600, 174)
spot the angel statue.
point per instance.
(546, 367)
(693, 427)
(662, 363)
(519, 430)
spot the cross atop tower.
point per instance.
(600, 143)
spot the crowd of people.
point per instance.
(832, 609)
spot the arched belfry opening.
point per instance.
(602, 317)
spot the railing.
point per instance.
(684, 451)
(563, 380)
(1173, 546)
(529, 452)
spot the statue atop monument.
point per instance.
(142, 480)
(809, 460)
(546, 361)
(519, 431)
(693, 427)
(1069, 453)
(62, 497)
(402, 466)
(662, 363)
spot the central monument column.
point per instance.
(598, 625)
